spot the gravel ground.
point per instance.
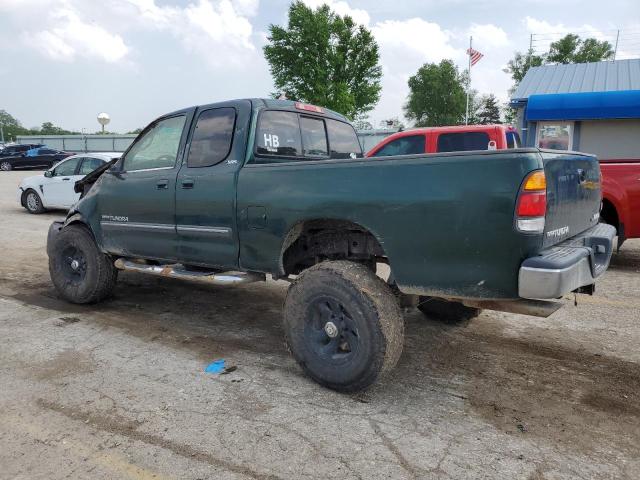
(117, 390)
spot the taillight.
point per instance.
(532, 203)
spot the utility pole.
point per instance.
(615, 50)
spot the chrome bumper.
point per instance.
(565, 267)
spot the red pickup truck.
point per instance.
(620, 178)
(447, 139)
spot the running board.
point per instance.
(178, 271)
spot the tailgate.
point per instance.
(573, 194)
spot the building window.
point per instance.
(555, 135)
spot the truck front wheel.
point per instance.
(80, 272)
(343, 325)
(447, 311)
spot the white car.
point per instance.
(54, 188)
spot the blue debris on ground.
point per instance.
(216, 366)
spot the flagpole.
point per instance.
(466, 115)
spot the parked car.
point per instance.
(447, 139)
(54, 189)
(40, 157)
(229, 192)
(18, 149)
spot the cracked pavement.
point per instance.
(118, 390)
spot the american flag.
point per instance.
(475, 56)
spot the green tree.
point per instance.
(136, 131)
(48, 128)
(11, 127)
(569, 49)
(572, 49)
(488, 111)
(325, 59)
(436, 95)
(521, 63)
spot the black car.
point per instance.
(15, 150)
(39, 157)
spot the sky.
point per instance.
(65, 61)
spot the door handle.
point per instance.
(188, 183)
(162, 184)
(66, 179)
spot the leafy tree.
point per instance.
(325, 59)
(436, 95)
(11, 127)
(48, 128)
(488, 111)
(571, 49)
(521, 63)
(135, 132)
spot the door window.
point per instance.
(211, 141)
(555, 135)
(66, 168)
(463, 142)
(157, 147)
(409, 145)
(314, 137)
(279, 134)
(343, 140)
(89, 165)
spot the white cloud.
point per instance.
(342, 8)
(69, 36)
(218, 30)
(488, 36)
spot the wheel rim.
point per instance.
(74, 264)
(5, 166)
(331, 332)
(33, 202)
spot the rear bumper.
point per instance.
(567, 266)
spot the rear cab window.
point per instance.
(463, 141)
(283, 136)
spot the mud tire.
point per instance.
(369, 323)
(95, 277)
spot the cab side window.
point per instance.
(343, 140)
(66, 168)
(211, 140)
(409, 145)
(279, 134)
(157, 147)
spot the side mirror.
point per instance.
(492, 145)
(48, 173)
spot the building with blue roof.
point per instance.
(589, 107)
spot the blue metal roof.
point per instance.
(613, 76)
(584, 106)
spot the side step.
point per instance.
(535, 308)
(178, 271)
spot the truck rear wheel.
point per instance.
(343, 325)
(80, 272)
(447, 311)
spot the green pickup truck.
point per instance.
(231, 192)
